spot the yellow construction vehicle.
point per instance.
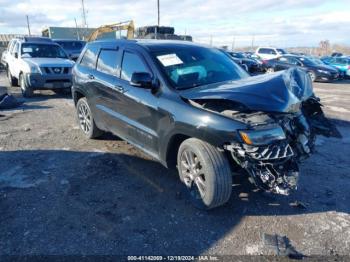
(127, 25)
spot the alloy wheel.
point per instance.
(84, 116)
(312, 76)
(22, 84)
(270, 70)
(192, 174)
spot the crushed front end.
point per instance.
(273, 145)
(282, 118)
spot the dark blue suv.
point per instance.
(192, 107)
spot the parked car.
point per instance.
(342, 63)
(318, 61)
(336, 54)
(72, 47)
(37, 63)
(191, 106)
(236, 60)
(267, 53)
(252, 65)
(316, 72)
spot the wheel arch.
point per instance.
(77, 94)
(172, 149)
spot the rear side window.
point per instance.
(108, 62)
(266, 51)
(15, 49)
(283, 59)
(89, 58)
(73, 45)
(10, 45)
(132, 63)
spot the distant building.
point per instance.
(79, 33)
(6, 38)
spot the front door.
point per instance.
(139, 106)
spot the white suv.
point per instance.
(37, 63)
(269, 52)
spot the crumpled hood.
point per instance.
(279, 92)
(49, 62)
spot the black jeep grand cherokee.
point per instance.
(193, 107)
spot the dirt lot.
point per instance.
(63, 194)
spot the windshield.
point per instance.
(317, 61)
(307, 61)
(71, 45)
(342, 61)
(43, 50)
(238, 55)
(187, 67)
(281, 51)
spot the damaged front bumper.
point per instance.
(274, 166)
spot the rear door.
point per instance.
(110, 99)
(282, 63)
(84, 77)
(14, 62)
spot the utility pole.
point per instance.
(158, 12)
(83, 14)
(252, 48)
(76, 28)
(233, 43)
(28, 25)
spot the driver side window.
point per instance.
(292, 61)
(132, 63)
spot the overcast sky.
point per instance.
(282, 23)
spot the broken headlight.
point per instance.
(262, 136)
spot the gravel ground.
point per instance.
(61, 194)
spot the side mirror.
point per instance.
(141, 79)
(16, 55)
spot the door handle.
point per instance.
(119, 89)
(91, 77)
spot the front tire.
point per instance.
(270, 70)
(26, 90)
(312, 76)
(12, 80)
(85, 119)
(206, 173)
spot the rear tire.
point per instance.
(206, 173)
(85, 119)
(12, 80)
(26, 90)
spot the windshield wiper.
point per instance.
(188, 87)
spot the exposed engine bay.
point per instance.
(274, 166)
(276, 141)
